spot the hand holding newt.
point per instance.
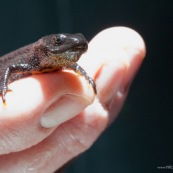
(64, 104)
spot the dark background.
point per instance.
(141, 138)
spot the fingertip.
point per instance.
(122, 37)
(113, 45)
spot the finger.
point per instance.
(66, 142)
(54, 98)
(116, 55)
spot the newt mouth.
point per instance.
(75, 50)
(79, 49)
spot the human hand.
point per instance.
(60, 102)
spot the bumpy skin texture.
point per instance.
(50, 53)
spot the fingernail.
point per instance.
(63, 110)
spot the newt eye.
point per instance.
(59, 39)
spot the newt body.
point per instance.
(48, 54)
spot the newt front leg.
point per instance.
(79, 70)
(18, 69)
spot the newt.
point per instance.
(50, 53)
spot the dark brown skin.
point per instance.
(50, 53)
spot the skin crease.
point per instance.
(25, 146)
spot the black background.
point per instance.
(141, 138)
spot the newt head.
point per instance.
(61, 49)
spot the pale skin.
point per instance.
(113, 58)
